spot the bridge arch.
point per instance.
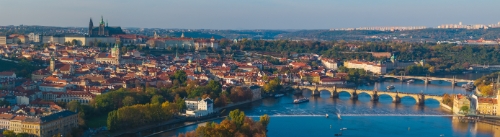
(382, 95)
(367, 92)
(410, 97)
(432, 100)
(306, 90)
(324, 91)
(343, 91)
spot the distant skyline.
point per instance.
(249, 14)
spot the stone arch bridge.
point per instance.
(428, 80)
(396, 96)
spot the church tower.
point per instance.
(91, 26)
(156, 36)
(102, 27)
(115, 52)
(52, 63)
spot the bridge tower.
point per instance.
(427, 81)
(396, 99)
(375, 96)
(453, 82)
(334, 93)
(315, 92)
(354, 95)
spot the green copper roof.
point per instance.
(102, 20)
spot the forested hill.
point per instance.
(370, 35)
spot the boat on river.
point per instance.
(300, 100)
(391, 87)
(326, 115)
(410, 81)
(338, 115)
(278, 95)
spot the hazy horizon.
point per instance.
(243, 15)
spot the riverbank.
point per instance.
(446, 107)
(173, 121)
(135, 130)
(185, 125)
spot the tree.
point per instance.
(196, 92)
(128, 101)
(57, 135)
(237, 117)
(157, 99)
(264, 120)
(230, 128)
(432, 69)
(4, 103)
(486, 90)
(112, 120)
(464, 109)
(181, 76)
(214, 86)
(23, 135)
(265, 78)
(74, 42)
(272, 86)
(9, 133)
(73, 105)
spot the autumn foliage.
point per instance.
(236, 125)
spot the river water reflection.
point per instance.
(363, 117)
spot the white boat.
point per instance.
(326, 115)
(278, 95)
(338, 114)
(410, 81)
(300, 100)
(390, 87)
(464, 85)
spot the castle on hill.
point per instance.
(103, 29)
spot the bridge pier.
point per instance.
(354, 95)
(315, 92)
(396, 99)
(453, 82)
(334, 93)
(420, 100)
(375, 96)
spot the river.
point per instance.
(363, 117)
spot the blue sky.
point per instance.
(249, 14)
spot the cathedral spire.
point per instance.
(91, 23)
(176, 57)
(156, 35)
(91, 26)
(102, 20)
